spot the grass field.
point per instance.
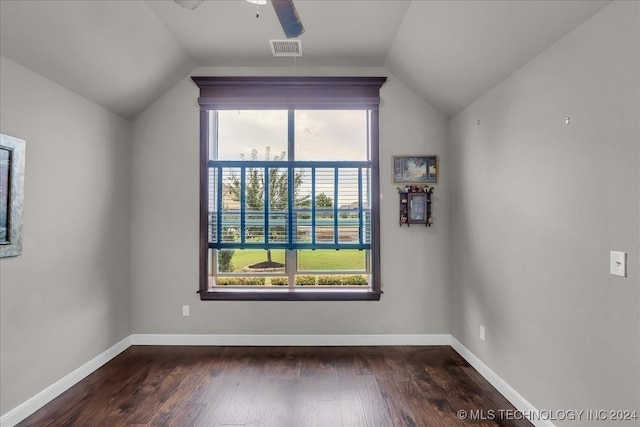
(331, 259)
(324, 260)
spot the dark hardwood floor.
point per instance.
(280, 386)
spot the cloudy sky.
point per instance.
(331, 135)
(319, 134)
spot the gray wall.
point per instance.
(164, 226)
(66, 298)
(536, 207)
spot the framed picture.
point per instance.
(11, 194)
(415, 169)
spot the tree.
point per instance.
(401, 168)
(224, 260)
(323, 201)
(278, 180)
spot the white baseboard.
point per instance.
(520, 403)
(290, 340)
(36, 402)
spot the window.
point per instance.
(288, 169)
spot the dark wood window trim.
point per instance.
(224, 93)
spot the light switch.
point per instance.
(618, 264)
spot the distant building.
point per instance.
(229, 202)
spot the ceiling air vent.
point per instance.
(286, 47)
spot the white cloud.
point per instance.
(320, 134)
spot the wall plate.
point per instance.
(618, 264)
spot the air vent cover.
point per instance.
(286, 47)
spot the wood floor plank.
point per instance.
(350, 402)
(374, 406)
(221, 393)
(330, 413)
(185, 416)
(261, 407)
(210, 371)
(306, 409)
(158, 400)
(240, 399)
(278, 387)
(284, 403)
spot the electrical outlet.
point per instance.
(482, 332)
(185, 311)
(618, 263)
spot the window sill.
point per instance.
(286, 295)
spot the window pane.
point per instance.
(331, 260)
(278, 179)
(242, 132)
(353, 192)
(254, 261)
(330, 203)
(331, 135)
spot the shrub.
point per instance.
(224, 261)
(355, 280)
(279, 281)
(336, 280)
(240, 281)
(305, 280)
(252, 281)
(227, 281)
(330, 280)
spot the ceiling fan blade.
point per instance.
(289, 18)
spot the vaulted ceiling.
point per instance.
(125, 54)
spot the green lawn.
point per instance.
(329, 259)
(307, 259)
(242, 258)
